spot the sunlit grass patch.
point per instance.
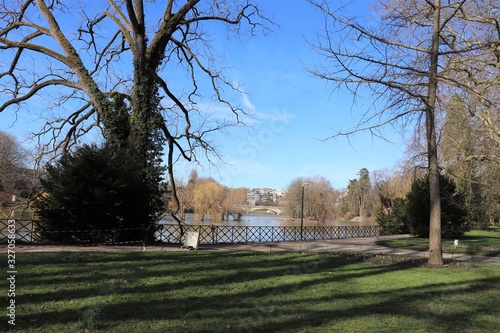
(207, 291)
(479, 243)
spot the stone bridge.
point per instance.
(269, 209)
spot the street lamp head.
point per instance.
(305, 184)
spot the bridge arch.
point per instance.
(273, 209)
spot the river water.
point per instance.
(259, 220)
(260, 228)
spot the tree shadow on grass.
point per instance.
(80, 281)
(78, 268)
(484, 239)
(424, 309)
(246, 292)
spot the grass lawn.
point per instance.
(478, 242)
(209, 291)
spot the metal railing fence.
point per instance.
(171, 233)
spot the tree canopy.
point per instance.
(144, 74)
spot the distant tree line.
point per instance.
(98, 187)
(398, 201)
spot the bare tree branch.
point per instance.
(109, 67)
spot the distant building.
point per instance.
(265, 196)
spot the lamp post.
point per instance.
(302, 212)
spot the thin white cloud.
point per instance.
(247, 103)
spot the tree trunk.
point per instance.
(435, 248)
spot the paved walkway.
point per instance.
(366, 244)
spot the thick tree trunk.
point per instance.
(435, 247)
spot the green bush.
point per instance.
(97, 189)
(453, 214)
(394, 222)
(411, 215)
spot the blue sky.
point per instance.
(294, 112)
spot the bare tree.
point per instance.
(12, 156)
(208, 196)
(13, 173)
(233, 200)
(464, 140)
(16, 180)
(292, 199)
(404, 59)
(475, 75)
(142, 73)
(184, 197)
(320, 199)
